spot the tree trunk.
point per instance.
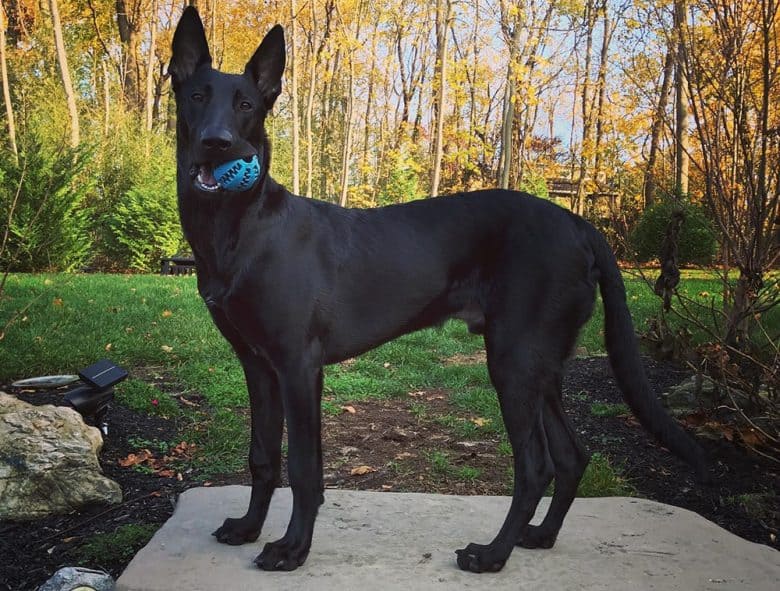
(106, 99)
(587, 110)
(443, 8)
(507, 121)
(128, 35)
(294, 99)
(346, 154)
(681, 107)
(369, 103)
(9, 111)
(601, 83)
(67, 84)
(150, 68)
(658, 123)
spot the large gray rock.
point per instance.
(48, 461)
(692, 393)
(74, 578)
(406, 542)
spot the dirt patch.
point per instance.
(470, 359)
(412, 443)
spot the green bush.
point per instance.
(137, 220)
(145, 221)
(535, 184)
(697, 239)
(49, 227)
(403, 180)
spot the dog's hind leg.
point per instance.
(570, 460)
(522, 376)
(301, 388)
(264, 450)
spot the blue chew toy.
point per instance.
(238, 175)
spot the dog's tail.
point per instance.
(627, 366)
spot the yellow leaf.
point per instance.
(166, 348)
(480, 422)
(167, 314)
(350, 409)
(109, 346)
(361, 470)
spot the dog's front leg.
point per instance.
(264, 451)
(301, 389)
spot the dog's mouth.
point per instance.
(203, 178)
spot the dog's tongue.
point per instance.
(206, 175)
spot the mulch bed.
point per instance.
(392, 445)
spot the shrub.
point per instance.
(535, 184)
(403, 180)
(49, 225)
(145, 221)
(136, 220)
(697, 239)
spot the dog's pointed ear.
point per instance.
(190, 49)
(267, 65)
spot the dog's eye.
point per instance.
(197, 97)
(245, 106)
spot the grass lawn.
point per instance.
(156, 324)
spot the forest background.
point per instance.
(653, 119)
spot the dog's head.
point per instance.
(220, 117)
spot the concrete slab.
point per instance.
(406, 541)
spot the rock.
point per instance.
(48, 461)
(77, 579)
(683, 398)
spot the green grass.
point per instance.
(756, 505)
(65, 322)
(605, 409)
(143, 397)
(601, 479)
(119, 545)
(441, 465)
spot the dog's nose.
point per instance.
(216, 138)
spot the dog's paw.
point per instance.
(534, 536)
(282, 555)
(237, 531)
(480, 559)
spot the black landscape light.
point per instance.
(91, 399)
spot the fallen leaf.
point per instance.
(57, 302)
(480, 422)
(361, 470)
(165, 473)
(109, 346)
(350, 409)
(207, 483)
(167, 314)
(183, 400)
(179, 477)
(166, 348)
(751, 437)
(135, 459)
(404, 455)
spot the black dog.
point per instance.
(295, 284)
